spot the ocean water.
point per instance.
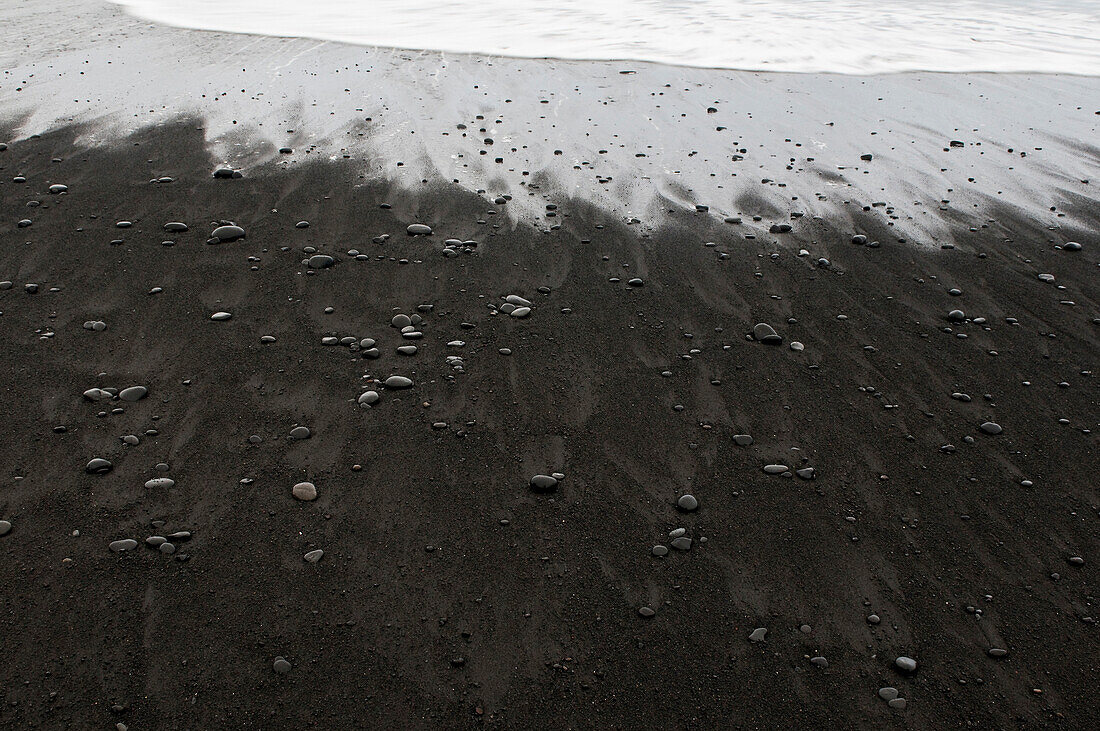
(844, 36)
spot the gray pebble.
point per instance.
(906, 664)
(888, 694)
(369, 398)
(681, 543)
(775, 469)
(419, 229)
(990, 427)
(398, 382)
(314, 556)
(687, 503)
(320, 261)
(544, 483)
(227, 233)
(98, 466)
(757, 635)
(5, 527)
(742, 440)
(897, 703)
(133, 393)
(765, 333)
(160, 483)
(300, 432)
(221, 316)
(305, 491)
(281, 666)
(126, 544)
(520, 312)
(659, 550)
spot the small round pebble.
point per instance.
(305, 491)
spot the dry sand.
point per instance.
(450, 594)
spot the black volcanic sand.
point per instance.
(450, 594)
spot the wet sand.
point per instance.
(450, 593)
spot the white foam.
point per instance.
(845, 36)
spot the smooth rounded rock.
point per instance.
(5, 527)
(133, 393)
(906, 664)
(281, 666)
(221, 316)
(305, 491)
(990, 427)
(160, 483)
(320, 261)
(300, 432)
(687, 503)
(398, 382)
(765, 333)
(369, 398)
(758, 634)
(314, 556)
(126, 544)
(227, 233)
(544, 483)
(419, 229)
(98, 466)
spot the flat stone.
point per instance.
(320, 261)
(897, 704)
(221, 316)
(659, 550)
(398, 382)
(227, 233)
(990, 427)
(906, 664)
(819, 661)
(681, 543)
(133, 393)
(687, 503)
(520, 312)
(757, 635)
(98, 466)
(126, 544)
(281, 666)
(646, 612)
(5, 527)
(544, 483)
(369, 398)
(775, 469)
(742, 440)
(888, 694)
(160, 483)
(314, 556)
(304, 491)
(765, 333)
(419, 229)
(997, 652)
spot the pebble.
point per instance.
(419, 229)
(520, 312)
(906, 664)
(300, 432)
(221, 316)
(133, 393)
(990, 427)
(369, 398)
(314, 556)
(757, 635)
(997, 652)
(305, 491)
(888, 694)
(98, 466)
(687, 503)
(797, 346)
(775, 469)
(819, 661)
(681, 543)
(398, 382)
(5, 527)
(281, 666)
(320, 261)
(659, 550)
(544, 483)
(897, 703)
(765, 333)
(160, 483)
(742, 440)
(227, 233)
(126, 544)
(646, 612)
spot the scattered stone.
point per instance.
(221, 316)
(306, 491)
(544, 483)
(906, 664)
(98, 466)
(775, 469)
(887, 694)
(300, 432)
(281, 666)
(997, 652)
(681, 543)
(227, 233)
(160, 483)
(646, 612)
(687, 503)
(419, 229)
(398, 382)
(320, 261)
(126, 544)
(369, 398)
(659, 550)
(133, 393)
(314, 556)
(990, 427)
(757, 635)
(5, 527)
(764, 333)
(742, 440)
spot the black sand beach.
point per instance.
(450, 592)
